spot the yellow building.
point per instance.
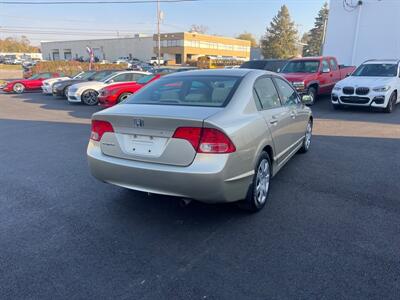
(183, 47)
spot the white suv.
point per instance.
(375, 83)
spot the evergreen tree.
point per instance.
(280, 40)
(316, 35)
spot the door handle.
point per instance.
(273, 121)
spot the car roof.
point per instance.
(266, 60)
(311, 58)
(219, 72)
(382, 61)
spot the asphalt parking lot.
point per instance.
(331, 229)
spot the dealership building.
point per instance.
(139, 46)
(362, 30)
(177, 48)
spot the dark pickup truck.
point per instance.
(315, 75)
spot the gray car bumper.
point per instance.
(207, 179)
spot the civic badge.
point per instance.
(138, 123)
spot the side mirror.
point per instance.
(306, 99)
(326, 71)
(348, 74)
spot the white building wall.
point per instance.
(109, 49)
(371, 31)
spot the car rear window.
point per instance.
(254, 64)
(213, 91)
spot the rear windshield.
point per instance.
(376, 70)
(254, 64)
(213, 91)
(301, 66)
(268, 65)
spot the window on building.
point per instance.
(55, 54)
(67, 54)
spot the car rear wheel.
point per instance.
(307, 138)
(257, 195)
(312, 91)
(391, 103)
(123, 96)
(89, 97)
(19, 88)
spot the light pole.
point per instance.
(158, 34)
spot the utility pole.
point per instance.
(158, 34)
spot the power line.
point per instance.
(93, 2)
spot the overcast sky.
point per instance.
(222, 17)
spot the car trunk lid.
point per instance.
(144, 132)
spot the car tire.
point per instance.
(391, 103)
(18, 88)
(307, 138)
(312, 91)
(123, 96)
(65, 92)
(89, 97)
(257, 195)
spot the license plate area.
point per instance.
(145, 145)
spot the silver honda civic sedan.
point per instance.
(210, 135)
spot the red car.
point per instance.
(115, 93)
(32, 83)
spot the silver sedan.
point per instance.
(212, 136)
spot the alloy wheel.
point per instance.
(262, 182)
(90, 98)
(18, 88)
(307, 139)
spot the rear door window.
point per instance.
(188, 91)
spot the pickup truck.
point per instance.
(315, 75)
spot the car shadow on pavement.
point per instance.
(323, 109)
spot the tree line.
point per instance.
(20, 45)
(281, 39)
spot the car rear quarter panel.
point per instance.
(245, 126)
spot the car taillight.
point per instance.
(99, 128)
(205, 140)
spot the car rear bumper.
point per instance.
(207, 179)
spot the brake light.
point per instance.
(191, 134)
(214, 141)
(205, 140)
(99, 128)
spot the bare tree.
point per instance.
(199, 28)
